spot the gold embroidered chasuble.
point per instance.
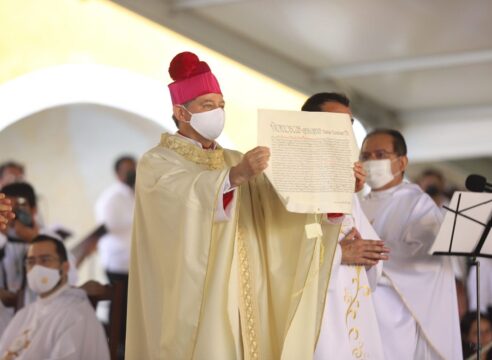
(252, 287)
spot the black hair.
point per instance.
(21, 189)
(122, 159)
(315, 102)
(61, 251)
(10, 164)
(433, 172)
(399, 144)
(468, 319)
(176, 121)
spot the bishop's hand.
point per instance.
(357, 251)
(252, 164)
(360, 176)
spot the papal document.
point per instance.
(312, 158)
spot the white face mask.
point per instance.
(208, 124)
(379, 173)
(42, 279)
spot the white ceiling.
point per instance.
(416, 65)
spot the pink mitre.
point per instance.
(192, 78)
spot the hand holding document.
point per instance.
(312, 156)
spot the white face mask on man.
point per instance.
(379, 173)
(42, 279)
(208, 124)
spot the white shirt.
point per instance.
(114, 209)
(61, 326)
(349, 329)
(417, 294)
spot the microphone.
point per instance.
(478, 183)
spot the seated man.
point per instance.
(60, 324)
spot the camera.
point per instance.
(24, 217)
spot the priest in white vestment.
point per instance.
(350, 329)
(61, 324)
(415, 300)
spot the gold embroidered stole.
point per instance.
(211, 159)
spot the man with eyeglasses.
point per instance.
(415, 299)
(219, 269)
(355, 258)
(61, 323)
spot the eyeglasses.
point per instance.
(42, 260)
(378, 155)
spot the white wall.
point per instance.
(69, 153)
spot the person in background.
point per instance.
(114, 211)
(469, 335)
(14, 241)
(61, 323)
(433, 183)
(355, 258)
(13, 172)
(416, 297)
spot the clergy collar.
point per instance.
(388, 192)
(50, 297)
(197, 143)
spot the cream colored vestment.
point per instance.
(252, 287)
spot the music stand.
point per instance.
(465, 231)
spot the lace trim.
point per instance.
(211, 159)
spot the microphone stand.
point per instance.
(476, 263)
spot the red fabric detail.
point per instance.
(334, 215)
(227, 198)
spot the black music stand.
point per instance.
(465, 231)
